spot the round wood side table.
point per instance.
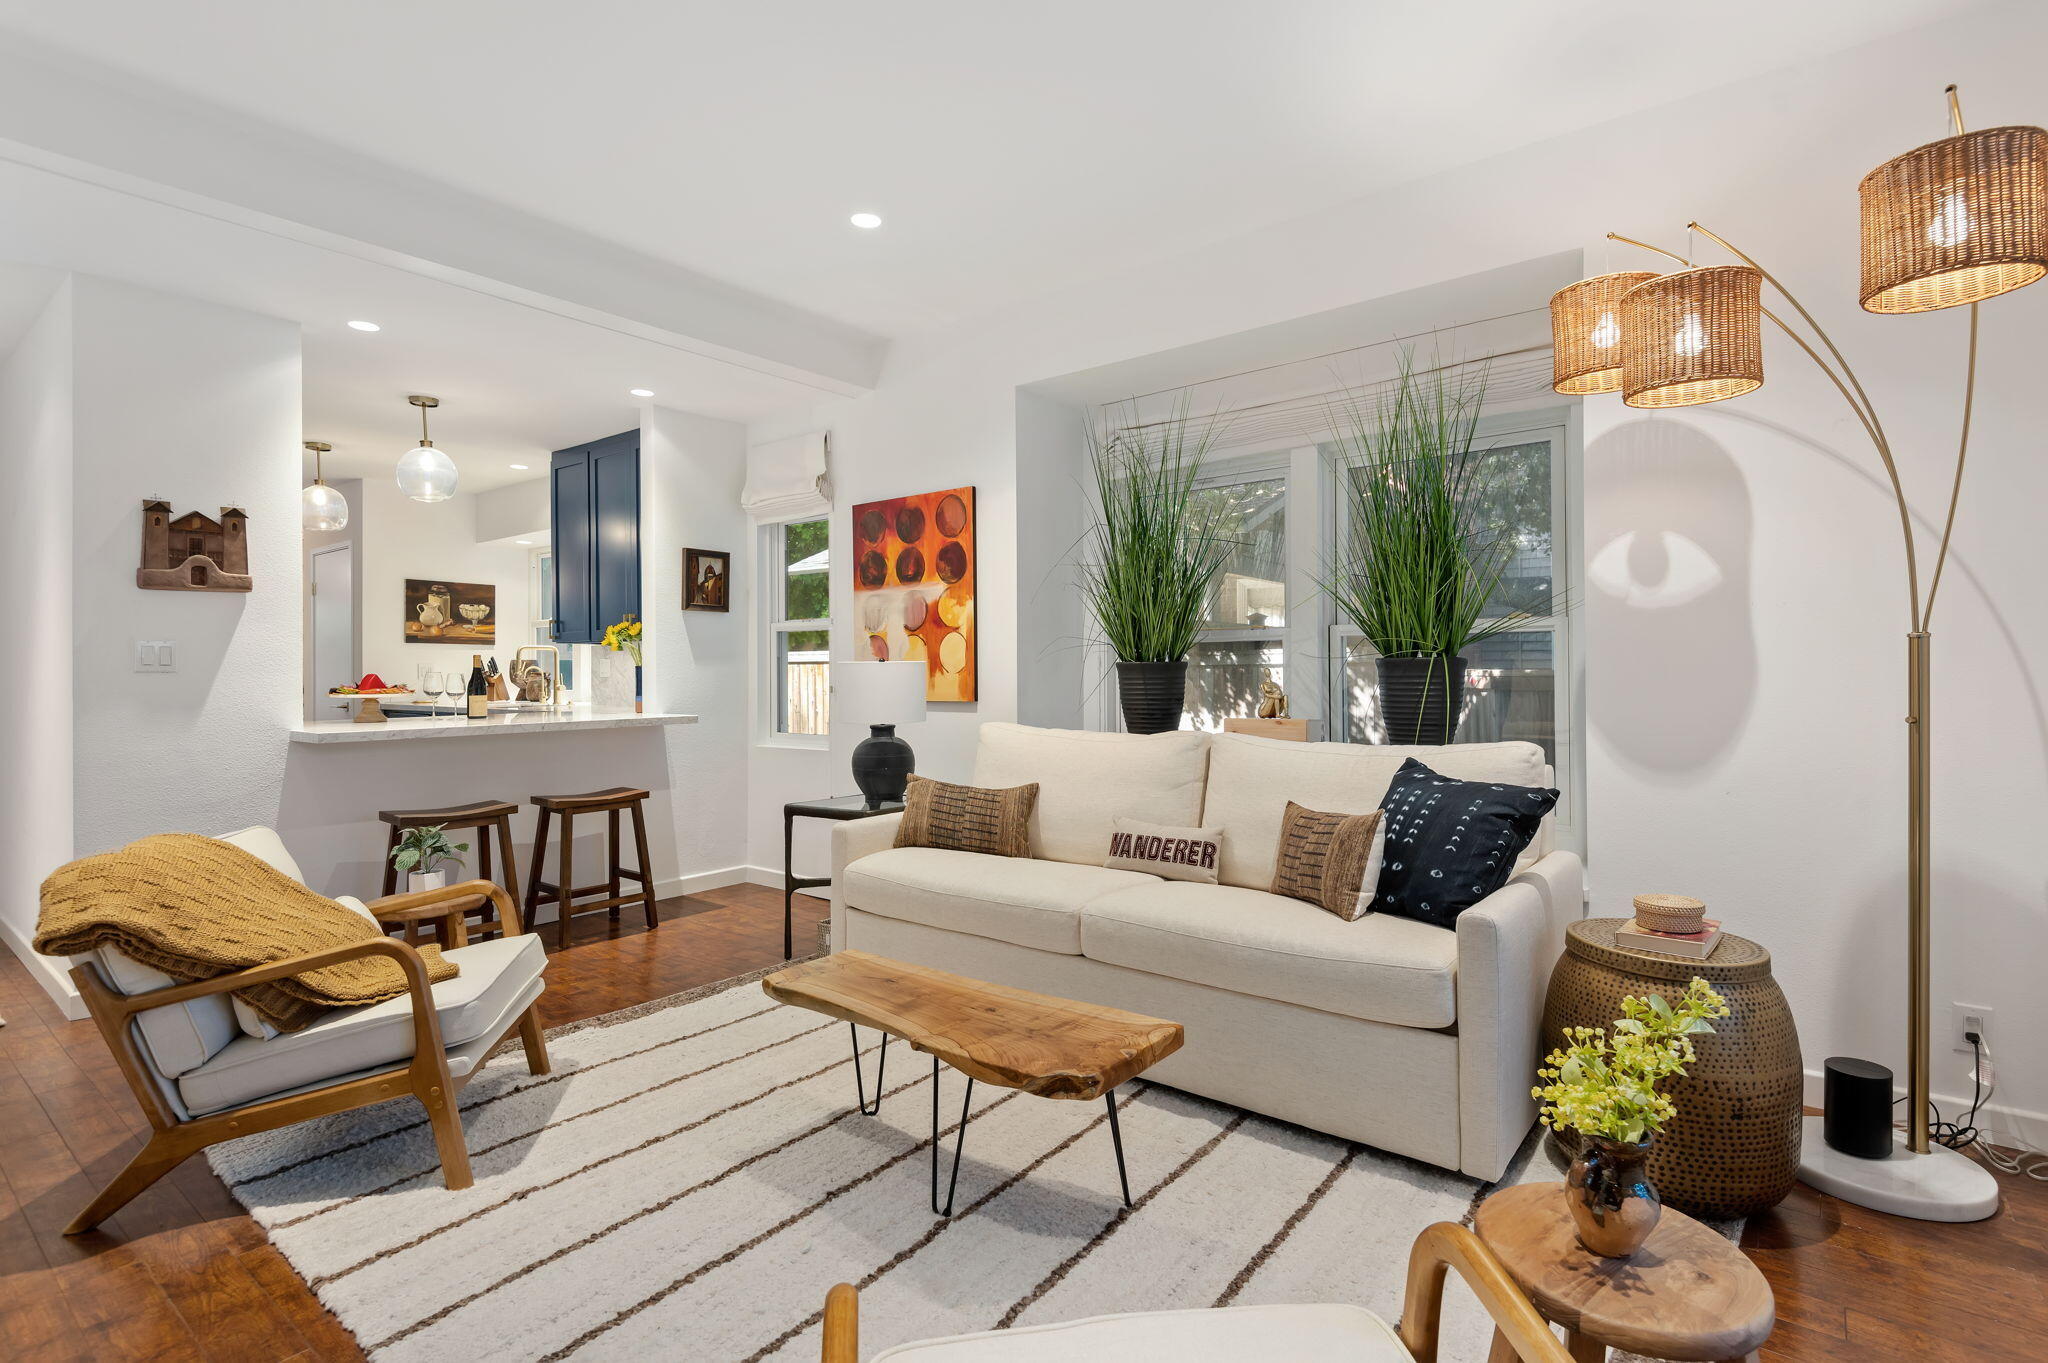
(1733, 1149)
(1687, 1294)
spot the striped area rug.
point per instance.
(692, 1178)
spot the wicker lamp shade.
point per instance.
(1956, 221)
(1585, 332)
(1691, 337)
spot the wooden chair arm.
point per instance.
(1445, 1246)
(842, 1325)
(451, 902)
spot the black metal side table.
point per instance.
(839, 808)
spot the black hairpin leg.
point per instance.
(959, 1140)
(881, 1063)
(1116, 1138)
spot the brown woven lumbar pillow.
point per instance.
(1330, 860)
(967, 818)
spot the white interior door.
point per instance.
(334, 618)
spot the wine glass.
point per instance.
(434, 684)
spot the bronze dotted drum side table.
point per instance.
(1733, 1149)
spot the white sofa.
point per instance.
(1412, 1038)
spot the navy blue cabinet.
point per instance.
(596, 513)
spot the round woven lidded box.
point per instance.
(1956, 221)
(1692, 336)
(1671, 913)
(1733, 1148)
(1585, 332)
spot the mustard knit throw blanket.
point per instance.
(196, 908)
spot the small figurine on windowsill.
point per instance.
(1272, 701)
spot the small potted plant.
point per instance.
(1605, 1088)
(420, 854)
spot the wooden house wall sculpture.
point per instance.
(194, 552)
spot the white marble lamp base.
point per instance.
(1941, 1185)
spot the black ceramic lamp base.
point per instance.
(882, 765)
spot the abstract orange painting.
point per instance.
(913, 585)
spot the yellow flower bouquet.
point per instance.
(624, 637)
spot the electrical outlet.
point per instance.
(1965, 1018)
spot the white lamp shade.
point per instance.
(426, 475)
(865, 693)
(322, 508)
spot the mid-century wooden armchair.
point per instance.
(1273, 1334)
(203, 1075)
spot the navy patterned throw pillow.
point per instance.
(1451, 843)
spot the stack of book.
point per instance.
(1696, 946)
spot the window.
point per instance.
(1244, 639)
(800, 626)
(1513, 679)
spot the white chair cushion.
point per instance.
(185, 1036)
(1380, 968)
(1011, 899)
(1235, 1334)
(1086, 780)
(1252, 779)
(494, 976)
(249, 1021)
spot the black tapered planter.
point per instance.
(1151, 695)
(1420, 697)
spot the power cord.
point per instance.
(1963, 1134)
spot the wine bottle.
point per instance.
(479, 705)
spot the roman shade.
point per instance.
(787, 479)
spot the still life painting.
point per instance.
(450, 612)
(913, 585)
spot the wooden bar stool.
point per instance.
(483, 816)
(610, 803)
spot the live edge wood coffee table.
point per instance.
(1052, 1047)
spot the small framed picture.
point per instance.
(707, 580)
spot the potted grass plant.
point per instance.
(1152, 558)
(1425, 549)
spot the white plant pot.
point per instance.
(426, 880)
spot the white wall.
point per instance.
(521, 510)
(1743, 704)
(35, 559)
(400, 539)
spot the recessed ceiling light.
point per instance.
(641, 392)
(521, 467)
(365, 326)
(867, 220)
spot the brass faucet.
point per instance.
(553, 673)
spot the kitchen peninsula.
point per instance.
(421, 728)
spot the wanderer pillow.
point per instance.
(1160, 850)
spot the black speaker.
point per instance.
(1858, 1108)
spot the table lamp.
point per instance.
(880, 696)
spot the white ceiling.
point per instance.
(1010, 148)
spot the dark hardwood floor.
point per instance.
(181, 1273)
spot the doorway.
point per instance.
(334, 617)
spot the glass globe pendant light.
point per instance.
(320, 506)
(425, 474)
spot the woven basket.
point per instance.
(1955, 221)
(1691, 337)
(1670, 913)
(1585, 332)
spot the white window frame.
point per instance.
(773, 596)
(1560, 427)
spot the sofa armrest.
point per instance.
(852, 840)
(1507, 945)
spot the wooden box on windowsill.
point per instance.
(1292, 730)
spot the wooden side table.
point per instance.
(1733, 1149)
(838, 808)
(1687, 1294)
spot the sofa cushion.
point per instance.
(1252, 779)
(1331, 1333)
(1380, 968)
(494, 976)
(1086, 780)
(967, 818)
(1025, 902)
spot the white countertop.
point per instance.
(422, 728)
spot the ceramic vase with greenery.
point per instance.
(1603, 1085)
(1428, 540)
(422, 852)
(1152, 559)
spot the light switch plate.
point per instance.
(155, 655)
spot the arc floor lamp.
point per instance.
(1950, 224)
